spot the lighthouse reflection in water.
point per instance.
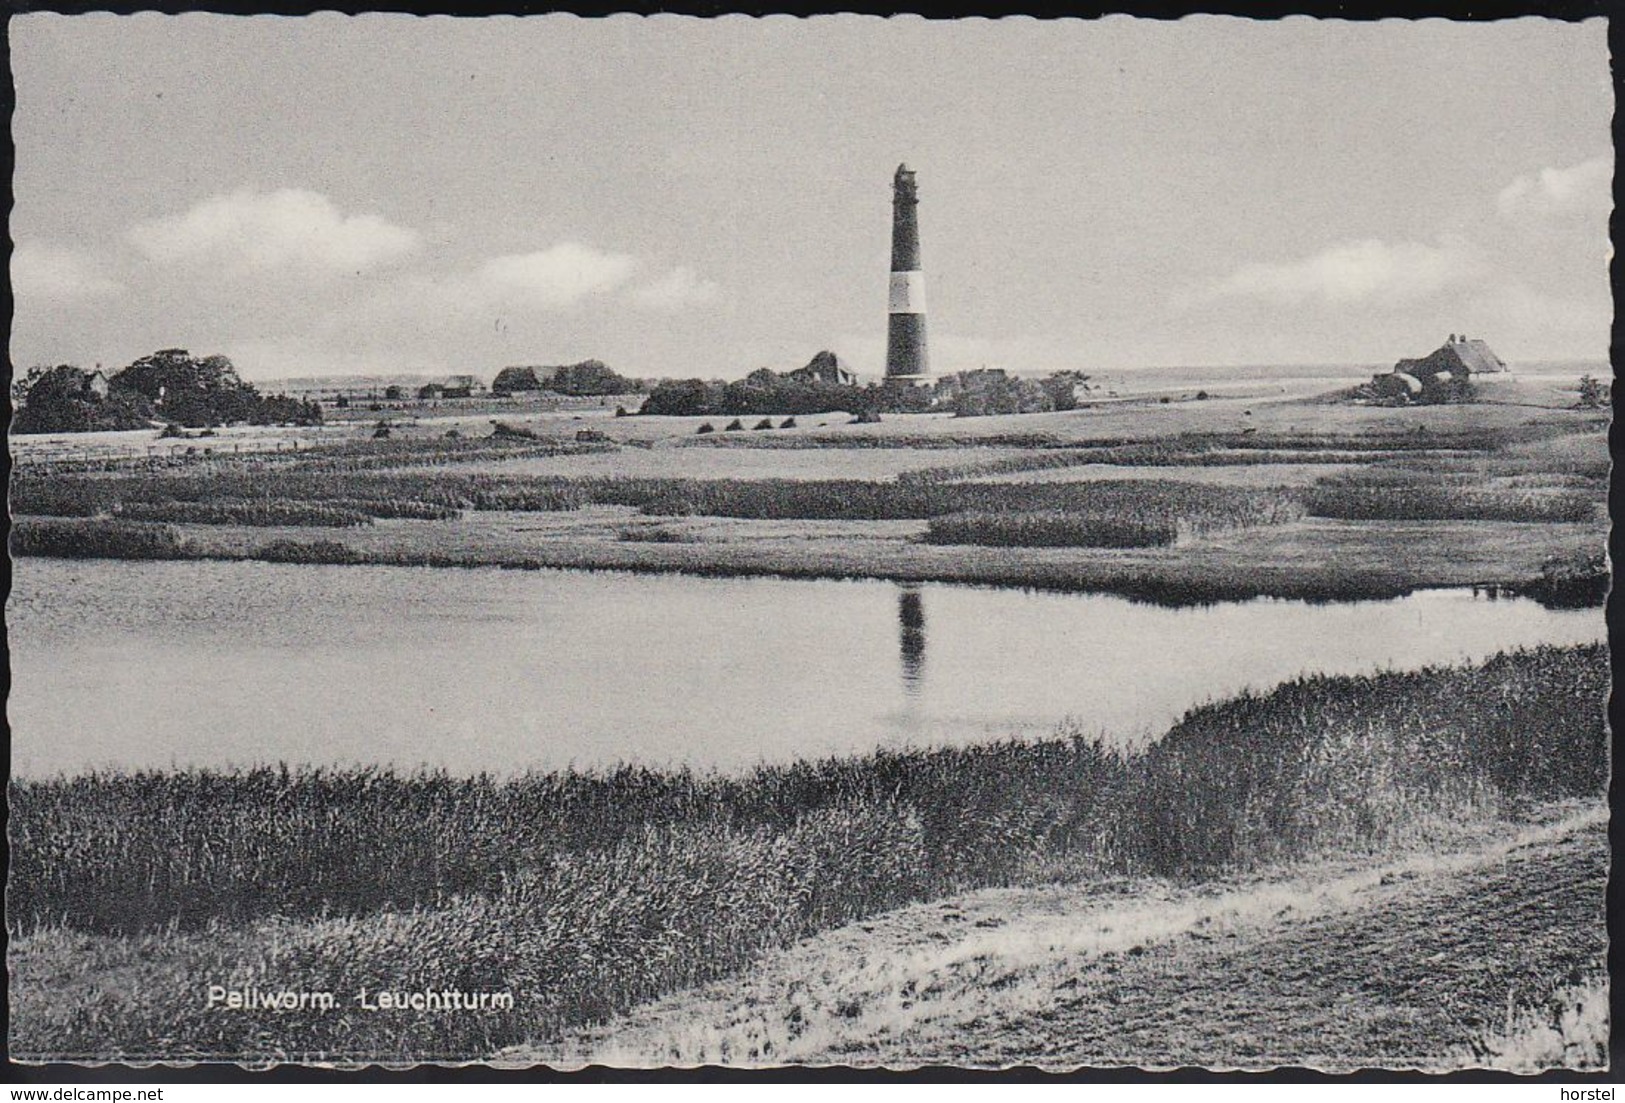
(911, 639)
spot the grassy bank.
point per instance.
(585, 893)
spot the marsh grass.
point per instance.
(1569, 1029)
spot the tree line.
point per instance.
(170, 385)
(966, 394)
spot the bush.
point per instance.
(733, 426)
(1571, 581)
(706, 428)
(651, 534)
(765, 423)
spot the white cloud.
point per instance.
(1584, 187)
(56, 272)
(681, 287)
(291, 229)
(553, 278)
(1354, 272)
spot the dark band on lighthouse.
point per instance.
(905, 335)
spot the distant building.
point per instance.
(825, 367)
(456, 386)
(1442, 375)
(463, 386)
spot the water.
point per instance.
(180, 664)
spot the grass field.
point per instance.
(588, 893)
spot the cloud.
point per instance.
(1585, 187)
(1355, 272)
(681, 287)
(55, 272)
(291, 229)
(554, 278)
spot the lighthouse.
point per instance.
(905, 335)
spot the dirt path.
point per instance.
(1401, 965)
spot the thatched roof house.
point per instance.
(1440, 376)
(825, 367)
(1459, 356)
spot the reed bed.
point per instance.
(75, 538)
(331, 552)
(1116, 517)
(244, 511)
(585, 893)
(1051, 529)
(1401, 502)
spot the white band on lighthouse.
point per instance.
(907, 293)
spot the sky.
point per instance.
(385, 194)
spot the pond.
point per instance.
(152, 665)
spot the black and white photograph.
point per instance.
(650, 542)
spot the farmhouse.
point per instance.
(463, 386)
(456, 386)
(1440, 376)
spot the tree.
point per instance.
(281, 409)
(683, 397)
(514, 379)
(66, 399)
(1062, 389)
(194, 392)
(590, 377)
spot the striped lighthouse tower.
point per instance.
(905, 335)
